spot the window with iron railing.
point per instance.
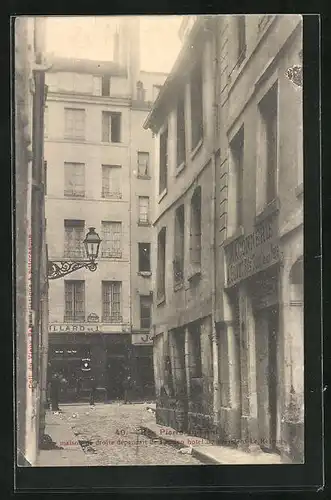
(143, 210)
(111, 302)
(145, 311)
(111, 181)
(74, 179)
(74, 301)
(74, 234)
(111, 239)
(195, 229)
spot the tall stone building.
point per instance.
(100, 174)
(30, 242)
(228, 234)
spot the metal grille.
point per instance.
(111, 301)
(74, 301)
(111, 239)
(73, 239)
(143, 209)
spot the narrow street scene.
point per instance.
(159, 222)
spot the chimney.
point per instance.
(129, 49)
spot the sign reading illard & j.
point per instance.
(255, 252)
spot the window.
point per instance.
(237, 151)
(111, 126)
(74, 301)
(105, 86)
(46, 121)
(143, 164)
(111, 181)
(196, 105)
(195, 229)
(145, 311)
(241, 34)
(74, 179)
(163, 178)
(161, 262)
(111, 240)
(73, 238)
(111, 301)
(144, 257)
(269, 111)
(178, 263)
(143, 210)
(140, 91)
(74, 123)
(181, 143)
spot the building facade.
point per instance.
(228, 301)
(31, 250)
(99, 173)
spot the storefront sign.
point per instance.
(142, 339)
(75, 328)
(255, 252)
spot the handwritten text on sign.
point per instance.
(255, 252)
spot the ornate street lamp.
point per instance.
(58, 269)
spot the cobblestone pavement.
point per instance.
(109, 435)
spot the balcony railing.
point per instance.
(115, 195)
(113, 318)
(111, 254)
(74, 318)
(74, 193)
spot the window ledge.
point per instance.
(145, 274)
(271, 208)
(197, 148)
(180, 168)
(144, 177)
(142, 223)
(299, 190)
(239, 232)
(162, 195)
(160, 300)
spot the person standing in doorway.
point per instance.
(93, 391)
(127, 387)
(55, 390)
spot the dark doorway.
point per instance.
(115, 377)
(273, 326)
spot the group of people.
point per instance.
(58, 382)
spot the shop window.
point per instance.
(74, 301)
(195, 229)
(181, 140)
(237, 155)
(144, 250)
(111, 301)
(268, 108)
(163, 174)
(145, 311)
(196, 91)
(111, 126)
(74, 234)
(178, 263)
(161, 262)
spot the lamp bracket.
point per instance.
(60, 268)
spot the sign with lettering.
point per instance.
(142, 339)
(253, 253)
(73, 328)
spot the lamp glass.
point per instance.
(92, 243)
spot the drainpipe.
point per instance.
(215, 340)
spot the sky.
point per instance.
(92, 38)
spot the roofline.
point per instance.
(175, 72)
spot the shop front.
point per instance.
(142, 366)
(253, 287)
